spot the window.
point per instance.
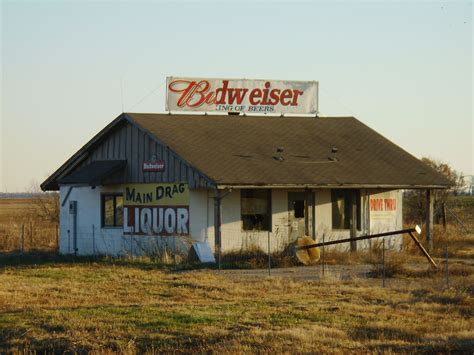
(255, 209)
(342, 208)
(112, 210)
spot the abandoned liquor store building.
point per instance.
(146, 178)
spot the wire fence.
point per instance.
(33, 236)
(254, 253)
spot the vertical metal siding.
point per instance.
(130, 143)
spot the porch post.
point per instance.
(306, 211)
(217, 225)
(429, 218)
(353, 220)
(313, 214)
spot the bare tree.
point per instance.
(45, 204)
(416, 199)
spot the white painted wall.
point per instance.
(235, 238)
(92, 239)
(384, 221)
(90, 235)
(370, 223)
(111, 241)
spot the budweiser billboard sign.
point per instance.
(241, 95)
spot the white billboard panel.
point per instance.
(241, 95)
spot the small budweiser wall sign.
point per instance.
(241, 95)
(153, 165)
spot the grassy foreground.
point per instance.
(136, 307)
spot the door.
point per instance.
(297, 210)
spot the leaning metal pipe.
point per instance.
(378, 235)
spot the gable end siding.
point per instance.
(128, 142)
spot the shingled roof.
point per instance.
(242, 150)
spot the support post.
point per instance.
(306, 211)
(353, 220)
(429, 218)
(217, 225)
(313, 215)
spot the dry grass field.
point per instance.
(77, 305)
(134, 306)
(25, 216)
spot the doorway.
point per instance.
(300, 207)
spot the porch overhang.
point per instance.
(94, 173)
(329, 186)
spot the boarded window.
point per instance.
(112, 210)
(342, 208)
(255, 207)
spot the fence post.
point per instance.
(57, 238)
(174, 251)
(31, 234)
(269, 256)
(93, 240)
(322, 259)
(22, 238)
(383, 262)
(443, 213)
(447, 262)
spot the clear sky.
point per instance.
(403, 68)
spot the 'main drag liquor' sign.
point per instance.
(241, 95)
(156, 209)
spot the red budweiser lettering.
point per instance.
(197, 93)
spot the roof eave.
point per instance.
(51, 183)
(328, 186)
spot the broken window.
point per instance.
(342, 208)
(299, 208)
(255, 209)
